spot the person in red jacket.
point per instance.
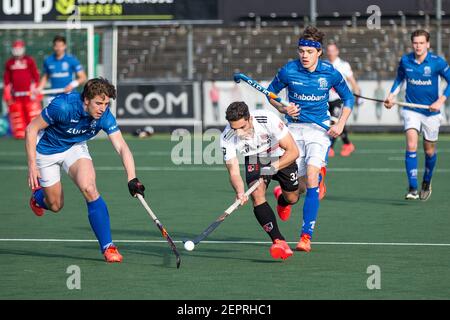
(20, 78)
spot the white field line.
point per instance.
(238, 242)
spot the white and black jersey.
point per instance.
(268, 130)
(344, 68)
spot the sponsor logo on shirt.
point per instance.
(74, 121)
(19, 65)
(297, 83)
(418, 82)
(311, 97)
(60, 75)
(76, 131)
(427, 71)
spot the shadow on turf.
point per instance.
(385, 201)
(159, 250)
(120, 234)
(47, 255)
(203, 252)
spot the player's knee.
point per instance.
(258, 197)
(291, 197)
(89, 191)
(313, 181)
(411, 147)
(429, 150)
(56, 205)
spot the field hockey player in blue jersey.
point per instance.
(421, 70)
(57, 138)
(308, 81)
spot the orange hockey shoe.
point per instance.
(304, 244)
(111, 254)
(283, 212)
(347, 149)
(34, 206)
(280, 250)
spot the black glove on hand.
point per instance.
(135, 186)
(267, 172)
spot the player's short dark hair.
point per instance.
(312, 33)
(332, 43)
(98, 87)
(236, 111)
(420, 32)
(59, 38)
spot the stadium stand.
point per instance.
(260, 49)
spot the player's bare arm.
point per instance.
(437, 105)
(134, 185)
(354, 85)
(81, 79)
(125, 154)
(30, 144)
(293, 110)
(291, 152)
(337, 129)
(389, 102)
(236, 180)
(42, 83)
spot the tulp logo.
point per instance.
(37, 8)
(65, 6)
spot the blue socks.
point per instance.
(39, 197)
(310, 210)
(430, 163)
(99, 220)
(411, 168)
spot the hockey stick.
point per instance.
(399, 103)
(43, 92)
(240, 76)
(222, 217)
(161, 228)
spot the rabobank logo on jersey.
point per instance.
(60, 75)
(311, 97)
(418, 82)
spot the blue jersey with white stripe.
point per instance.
(422, 80)
(61, 71)
(69, 123)
(310, 90)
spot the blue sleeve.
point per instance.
(444, 72)
(400, 76)
(76, 65)
(109, 124)
(342, 89)
(280, 81)
(55, 111)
